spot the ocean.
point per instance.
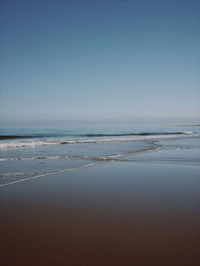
(27, 153)
(100, 195)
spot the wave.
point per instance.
(7, 137)
(4, 137)
(25, 144)
(95, 138)
(137, 134)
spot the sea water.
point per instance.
(27, 153)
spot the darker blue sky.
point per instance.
(99, 60)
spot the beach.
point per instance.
(117, 213)
(100, 133)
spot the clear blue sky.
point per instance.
(99, 60)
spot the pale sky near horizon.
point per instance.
(68, 60)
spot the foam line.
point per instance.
(35, 158)
(49, 173)
(135, 152)
(102, 139)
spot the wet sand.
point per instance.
(119, 213)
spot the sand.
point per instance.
(119, 213)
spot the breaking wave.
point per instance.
(7, 137)
(138, 134)
(90, 138)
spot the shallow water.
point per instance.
(49, 151)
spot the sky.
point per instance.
(99, 60)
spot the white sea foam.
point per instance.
(35, 143)
(188, 132)
(35, 158)
(47, 174)
(20, 144)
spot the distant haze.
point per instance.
(99, 61)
